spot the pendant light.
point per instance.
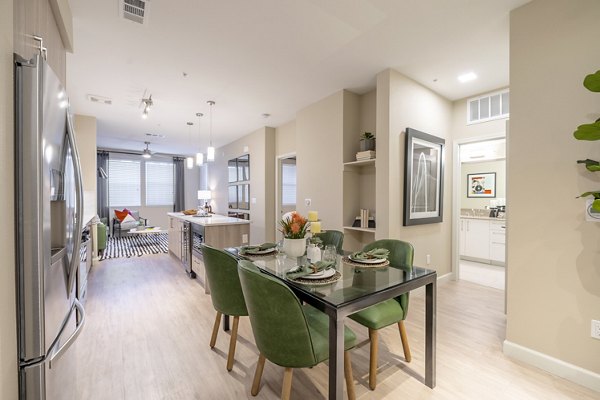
(199, 155)
(210, 151)
(189, 161)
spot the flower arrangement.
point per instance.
(294, 227)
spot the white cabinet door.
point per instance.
(175, 227)
(462, 241)
(498, 241)
(477, 243)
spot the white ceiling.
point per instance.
(269, 56)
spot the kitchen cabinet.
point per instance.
(175, 235)
(483, 239)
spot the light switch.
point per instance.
(245, 238)
(245, 149)
(254, 200)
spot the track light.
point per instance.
(210, 151)
(148, 103)
(147, 153)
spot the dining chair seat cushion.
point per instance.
(318, 325)
(380, 315)
(224, 282)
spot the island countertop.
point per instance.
(214, 220)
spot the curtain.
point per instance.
(102, 185)
(179, 170)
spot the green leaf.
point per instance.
(596, 205)
(586, 194)
(592, 82)
(591, 165)
(588, 132)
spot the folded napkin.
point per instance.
(371, 254)
(262, 247)
(303, 270)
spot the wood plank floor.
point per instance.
(149, 326)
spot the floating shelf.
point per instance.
(355, 228)
(360, 163)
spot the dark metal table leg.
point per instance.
(430, 339)
(336, 358)
(225, 322)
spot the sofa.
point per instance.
(125, 220)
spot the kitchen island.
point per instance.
(187, 232)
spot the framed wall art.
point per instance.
(423, 178)
(481, 185)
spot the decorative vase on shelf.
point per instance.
(294, 247)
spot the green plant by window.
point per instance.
(590, 132)
(367, 135)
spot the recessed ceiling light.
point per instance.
(265, 115)
(469, 76)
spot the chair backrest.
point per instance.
(278, 321)
(335, 238)
(401, 256)
(221, 273)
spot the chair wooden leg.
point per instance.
(373, 362)
(260, 366)
(404, 339)
(232, 343)
(348, 376)
(286, 390)
(213, 338)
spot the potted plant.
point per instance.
(294, 230)
(591, 132)
(367, 141)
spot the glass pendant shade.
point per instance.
(199, 159)
(190, 162)
(210, 154)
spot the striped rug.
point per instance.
(136, 245)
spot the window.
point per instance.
(288, 184)
(487, 108)
(124, 183)
(159, 183)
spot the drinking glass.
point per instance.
(330, 253)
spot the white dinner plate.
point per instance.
(368, 261)
(321, 274)
(259, 252)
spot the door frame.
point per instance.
(456, 189)
(278, 159)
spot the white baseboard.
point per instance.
(446, 277)
(553, 365)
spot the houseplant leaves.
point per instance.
(591, 165)
(592, 82)
(588, 131)
(596, 203)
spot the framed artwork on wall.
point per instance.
(423, 178)
(481, 185)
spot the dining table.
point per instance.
(354, 288)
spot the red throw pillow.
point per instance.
(128, 212)
(121, 214)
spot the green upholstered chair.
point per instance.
(225, 292)
(335, 238)
(286, 332)
(101, 232)
(390, 311)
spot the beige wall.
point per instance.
(402, 103)
(285, 138)
(85, 135)
(460, 129)
(499, 167)
(554, 256)
(8, 338)
(261, 148)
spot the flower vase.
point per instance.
(294, 247)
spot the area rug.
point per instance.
(136, 245)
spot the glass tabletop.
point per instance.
(353, 284)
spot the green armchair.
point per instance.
(286, 332)
(390, 311)
(335, 238)
(225, 292)
(101, 232)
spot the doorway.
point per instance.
(286, 188)
(480, 211)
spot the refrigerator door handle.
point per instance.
(81, 321)
(79, 199)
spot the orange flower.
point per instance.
(295, 227)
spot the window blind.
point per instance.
(159, 183)
(288, 184)
(123, 183)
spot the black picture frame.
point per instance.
(424, 158)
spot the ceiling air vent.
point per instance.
(99, 99)
(134, 10)
(488, 107)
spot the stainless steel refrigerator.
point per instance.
(49, 211)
